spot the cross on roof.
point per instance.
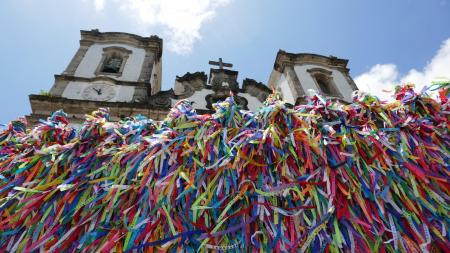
(221, 64)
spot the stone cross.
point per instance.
(220, 63)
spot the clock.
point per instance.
(99, 92)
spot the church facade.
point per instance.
(123, 72)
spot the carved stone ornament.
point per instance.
(256, 89)
(190, 82)
(189, 77)
(223, 84)
(162, 99)
(214, 98)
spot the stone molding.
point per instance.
(284, 59)
(41, 103)
(314, 71)
(153, 43)
(117, 49)
(44, 106)
(99, 78)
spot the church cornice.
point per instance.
(192, 76)
(100, 78)
(284, 59)
(43, 106)
(62, 102)
(95, 36)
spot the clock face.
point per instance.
(99, 92)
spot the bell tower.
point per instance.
(295, 75)
(117, 70)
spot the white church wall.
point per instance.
(286, 91)
(199, 98)
(308, 82)
(253, 103)
(74, 90)
(93, 57)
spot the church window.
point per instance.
(324, 85)
(113, 61)
(324, 81)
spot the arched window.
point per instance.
(324, 84)
(113, 61)
(324, 81)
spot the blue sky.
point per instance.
(386, 41)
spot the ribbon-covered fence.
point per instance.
(369, 176)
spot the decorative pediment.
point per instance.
(189, 77)
(256, 89)
(188, 84)
(221, 84)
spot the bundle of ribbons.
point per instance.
(370, 176)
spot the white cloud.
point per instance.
(385, 76)
(99, 4)
(379, 77)
(181, 20)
